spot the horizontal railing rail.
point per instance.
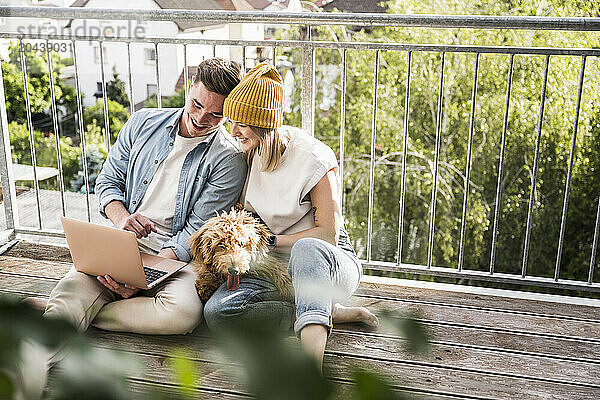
(372, 19)
(308, 48)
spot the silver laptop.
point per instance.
(103, 250)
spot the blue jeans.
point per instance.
(322, 274)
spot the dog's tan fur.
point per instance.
(235, 240)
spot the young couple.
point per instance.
(170, 170)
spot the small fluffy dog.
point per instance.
(234, 244)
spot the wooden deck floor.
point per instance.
(485, 346)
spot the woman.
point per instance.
(292, 185)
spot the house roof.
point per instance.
(355, 6)
(228, 5)
(262, 4)
(191, 71)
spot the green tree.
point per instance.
(117, 116)
(175, 101)
(45, 152)
(116, 89)
(454, 133)
(39, 89)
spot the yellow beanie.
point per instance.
(258, 99)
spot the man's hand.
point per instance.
(137, 224)
(126, 291)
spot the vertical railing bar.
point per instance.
(185, 74)
(534, 171)
(82, 132)
(501, 164)
(372, 166)
(594, 245)
(30, 127)
(243, 59)
(404, 158)
(342, 130)
(563, 221)
(436, 163)
(274, 56)
(61, 182)
(461, 253)
(9, 192)
(308, 85)
(158, 91)
(214, 50)
(105, 97)
(131, 99)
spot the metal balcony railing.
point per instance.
(308, 48)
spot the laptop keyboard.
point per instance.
(153, 274)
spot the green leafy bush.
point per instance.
(45, 151)
(117, 116)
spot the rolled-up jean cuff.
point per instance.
(313, 317)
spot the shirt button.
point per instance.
(171, 144)
(155, 161)
(133, 202)
(145, 182)
(197, 179)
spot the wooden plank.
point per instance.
(440, 314)
(496, 320)
(39, 260)
(478, 339)
(42, 287)
(432, 296)
(34, 268)
(40, 252)
(463, 383)
(358, 345)
(419, 367)
(140, 388)
(404, 375)
(408, 296)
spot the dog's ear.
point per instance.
(263, 233)
(195, 244)
(199, 244)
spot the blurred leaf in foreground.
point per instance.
(372, 386)
(416, 335)
(273, 367)
(184, 372)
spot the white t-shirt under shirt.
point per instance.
(281, 197)
(158, 203)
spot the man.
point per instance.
(169, 171)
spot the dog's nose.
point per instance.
(233, 271)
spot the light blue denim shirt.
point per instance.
(211, 179)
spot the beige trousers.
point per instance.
(171, 308)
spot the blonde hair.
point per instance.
(271, 145)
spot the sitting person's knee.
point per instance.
(308, 257)
(218, 312)
(180, 318)
(306, 245)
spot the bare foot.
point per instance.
(37, 303)
(342, 314)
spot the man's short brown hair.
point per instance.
(219, 75)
